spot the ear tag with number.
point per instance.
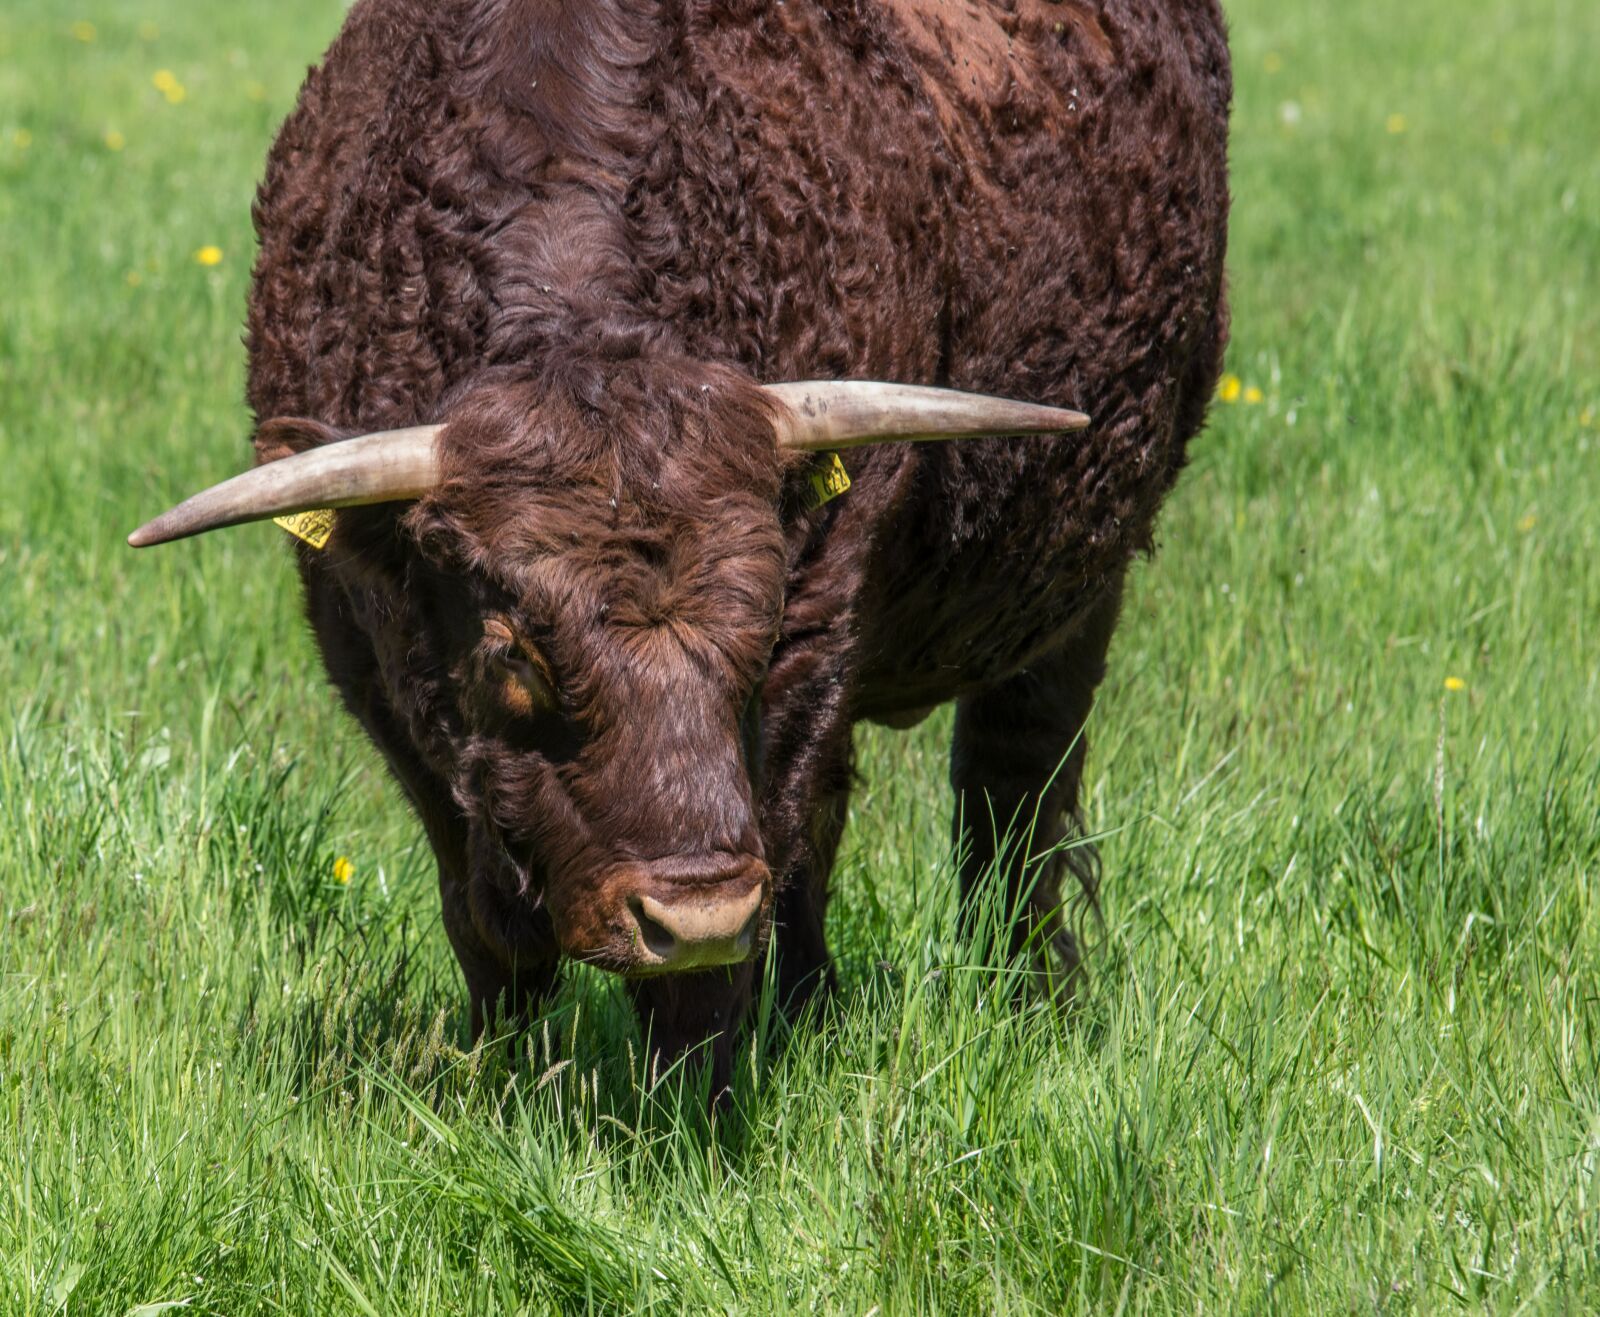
(828, 481)
(312, 527)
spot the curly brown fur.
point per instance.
(580, 231)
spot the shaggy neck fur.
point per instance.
(486, 152)
(562, 88)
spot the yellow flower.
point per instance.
(148, 31)
(165, 83)
(1586, 417)
(209, 256)
(255, 91)
(1229, 388)
(1253, 395)
(1273, 62)
(83, 31)
(133, 278)
(1527, 523)
(1454, 684)
(343, 870)
(1396, 124)
(115, 141)
(22, 139)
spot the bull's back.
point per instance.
(1088, 271)
(1025, 198)
(1087, 190)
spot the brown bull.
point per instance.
(592, 606)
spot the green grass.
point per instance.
(1342, 1048)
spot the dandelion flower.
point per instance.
(1229, 388)
(208, 256)
(148, 31)
(255, 91)
(1395, 124)
(1586, 417)
(22, 139)
(168, 85)
(83, 31)
(1273, 63)
(133, 278)
(343, 870)
(115, 141)
(1253, 395)
(1454, 684)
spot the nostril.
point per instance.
(658, 940)
(695, 928)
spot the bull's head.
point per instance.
(596, 622)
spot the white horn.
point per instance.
(388, 467)
(818, 415)
(399, 465)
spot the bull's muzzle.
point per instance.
(691, 917)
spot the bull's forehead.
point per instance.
(646, 503)
(627, 588)
(645, 447)
(612, 543)
(613, 576)
(560, 497)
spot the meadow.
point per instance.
(1341, 1047)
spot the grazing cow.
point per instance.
(559, 264)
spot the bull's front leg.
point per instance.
(694, 1016)
(506, 948)
(504, 979)
(1016, 763)
(507, 953)
(809, 765)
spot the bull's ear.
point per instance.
(287, 435)
(818, 415)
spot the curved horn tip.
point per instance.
(387, 466)
(824, 414)
(160, 531)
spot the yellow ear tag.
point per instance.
(828, 481)
(312, 527)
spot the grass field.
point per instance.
(1342, 1047)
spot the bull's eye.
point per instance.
(520, 674)
(526, 689)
